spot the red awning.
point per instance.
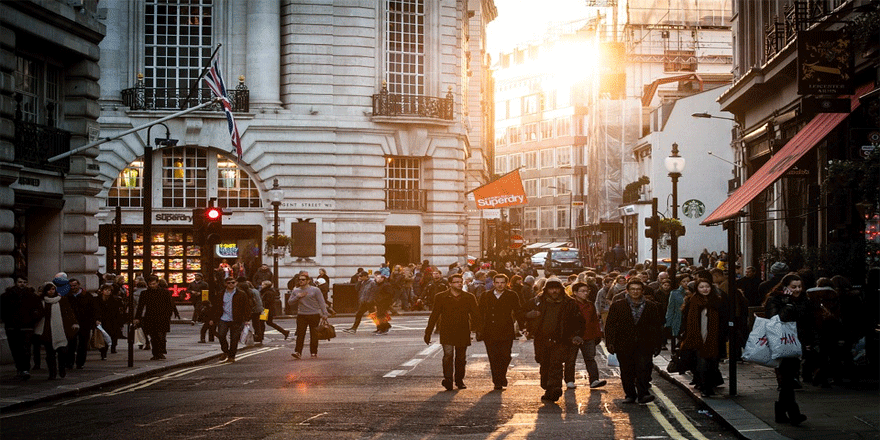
(800, 144)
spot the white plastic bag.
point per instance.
(783, 339)
(612, 360)
(107, 339)
(139, 337)
(758, 347)
(247, 335)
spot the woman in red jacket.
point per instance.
(592, 336)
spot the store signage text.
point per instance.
(173, 217)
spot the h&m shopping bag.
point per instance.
(783, 339)
(758, 347)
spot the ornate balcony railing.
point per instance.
(799, 15)
(420, 106)
(406, 199)
(35, 143)
(140, 97)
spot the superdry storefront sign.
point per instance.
(504, 191)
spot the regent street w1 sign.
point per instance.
(825, 63)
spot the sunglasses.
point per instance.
(230, 282)
(303, 279)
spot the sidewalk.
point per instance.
(832, 413)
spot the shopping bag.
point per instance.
(139, 337)
(612, 360)
(96, 341)
(682, 360)
(757, 349)
(325, 330)
(265, 315)
(783, 339)
(107, 338)
(247, 335)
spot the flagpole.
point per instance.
(201, 75)
(127, 132)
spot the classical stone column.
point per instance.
(8, 171)
(264, 53)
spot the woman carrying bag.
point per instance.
(703, 316)
(109, 316)
(55, 329)
(789, 302)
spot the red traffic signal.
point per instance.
(213, 214)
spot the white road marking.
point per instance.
(305, 422)
(227, 423)
(411, 362)
(395, 373)
(160, 421)
(430, 350)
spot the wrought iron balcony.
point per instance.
(35, 143)
(420, 106)
(799, 16)
(140, 97)
(406, 199)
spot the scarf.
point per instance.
(696, 325)
(56, 323)
(636, 308)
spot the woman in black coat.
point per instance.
(109, 316)
(789, 301)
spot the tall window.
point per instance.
(547, 159)
(531, 160)
(515, 161)
(530, 221)
(177, 42)
(185, 178)
(563, 156)
(38, 84)
(547, 187)
(235, 189)
(128, 190)
(562, 216)
(405, 52)
(403, 187)
(530, 186)
(500, 161)
(547, 213)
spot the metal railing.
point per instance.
(406, 199)
(35, 143)
(799, 15)
(387, 104)
(140, 97)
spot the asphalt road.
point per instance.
(361, 387)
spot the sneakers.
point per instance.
(598, 383)
(297, 355)
(629, 400)
(460, 385)
(447, 384)
(314, 355)
(570, 385)
(646, 398)
(350, 330)
(384, 333)
(223, 358)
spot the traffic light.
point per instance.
(198, 223)
(213, 221)
(652, 227)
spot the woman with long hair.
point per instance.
(57, 326)
(790, 303)
(703, 316)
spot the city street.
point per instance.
(360, 386)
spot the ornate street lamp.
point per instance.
(277, 195)
(675, 165)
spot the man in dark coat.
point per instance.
(557, 325)
(153, 314)
(634, 333)
(458, 315)
(231, 309)
(194, 289)
(498, 309)
(85, 307)
(20, 310)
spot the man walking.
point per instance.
(558, 325)
(231, 310)
(458, 315)
(21, 309)
(498, 309)
(634, 333)
(366, 298)
(194, 289)
(153, 314)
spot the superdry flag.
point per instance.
(214, 79)
(507, 190)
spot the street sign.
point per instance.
(516, 241)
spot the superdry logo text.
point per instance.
(500, 200)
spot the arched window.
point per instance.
(189, 176)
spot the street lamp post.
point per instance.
(675, 165)
(277, 195)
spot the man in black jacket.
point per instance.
(231, 310)
(153, 314)
(558, 323)
(634, 333)
(498, 309)
(20, 309)
(85, 307)
(458, 315)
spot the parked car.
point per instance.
(563, 261)
(538, 259)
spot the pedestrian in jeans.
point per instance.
(310, 309)
(367, 290)
(231, 310)
(592, 336)
(458, 315)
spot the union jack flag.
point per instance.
(214, 80)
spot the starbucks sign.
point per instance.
(693, 208)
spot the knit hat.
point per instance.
(530, 280)
(62, 286)
(779, 268)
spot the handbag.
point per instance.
(783, 339)
(265, 315)
(683, 360)
(96, 341)
(247, 335)
(325, 330)
(758, 347)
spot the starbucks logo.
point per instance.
(693, 208)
